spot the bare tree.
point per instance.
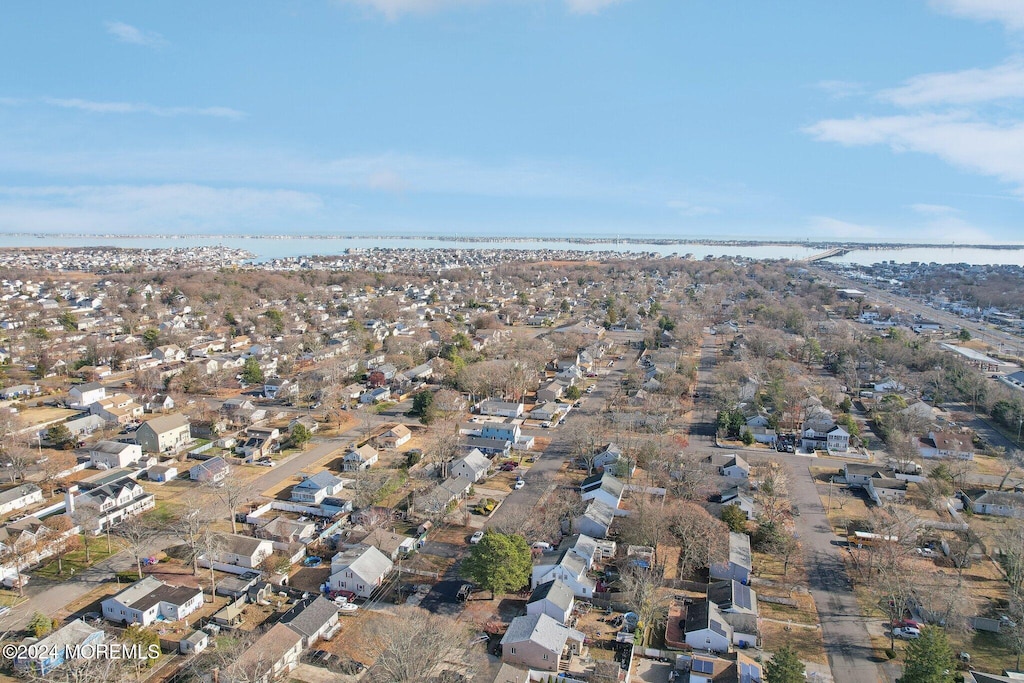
(413, 646)
(233, 493)
(59, 539)
(190, 527)
(136, 532)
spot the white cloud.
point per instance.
(934, 209)
(1007, 12)
(126, 33)
(991, 149)
(140, 108)
(393, 9)
(841, 89)
(149, 207)
(970, 86)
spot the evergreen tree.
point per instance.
(252, 373)
(499, 563)
(734, 517)
(929, 659)
(784, 667)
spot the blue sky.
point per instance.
(868, 120)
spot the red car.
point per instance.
(509, 467)
(343, 594)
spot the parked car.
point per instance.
(906, 632)
(348, 608)
(927, 552)
(541, 545)
(508, 467)
(520, 483)
(476, 537)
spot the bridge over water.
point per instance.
(831, 253)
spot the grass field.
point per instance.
(74, 562)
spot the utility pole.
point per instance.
(830, 480)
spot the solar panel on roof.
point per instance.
(717, 628)
(702, 666)
(741, 596)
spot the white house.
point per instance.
(603, 487)
(500, 408)
(740, 562)
(706, 629)
(241, 551)
(361, 570)
(317, 487)
(83, 395)
(567, 567)
(114, 454)
(553, 598)
(313, 619)
(146, 600)
(276, 653)
(394, 437)
(473, 466)
(105, 506)
(730, 465)
(19, 497)
(359, 458)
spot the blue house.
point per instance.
(50, 652)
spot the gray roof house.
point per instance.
(554, 599)
(740, 562)
(361, 569)
(603, 487)
(314, 489)
(596, 520)
(313, 619)
(539, 642)
(474, 466)
(706, 629)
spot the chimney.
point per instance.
(69, 499)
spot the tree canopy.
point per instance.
(929, 659)
(499, 563)
(784, 667)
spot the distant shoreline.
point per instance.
(472, 239)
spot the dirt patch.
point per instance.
(805, 640)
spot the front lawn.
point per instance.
(74, 562)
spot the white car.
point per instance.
(541, 545)
(520, 483)
(348, 608)
(906, 632)
(927, 552)
(476, 537)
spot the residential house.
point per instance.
(164, 434)
(947, 444)
(603, 487)
(361, 458)
(607, 458)
(107, 505)
(501, 431)
(117, 408)
(595, 521)
(999, 503)
(552, 598)
(150, 599)
(274, 654)
(391, 544)
(168, 353)
(394, 437)
(734, 667)
(114, 454)
(500, 408)
(361, 570)
(317, 487)
(210, 471)
(881, 489)
(733, 496)
(19, 497)
(473, 466)
(158, 403)
(859, 474)
(376, 395)
(539, 642)
(706, 629)
(313, 619)
(241, 551)
(730, 465)
(275, 387)
(739, 564)
(546, 411)
(84, 395)
(46, 654)
(162, 474)
(285, 530)
(568, 567)
(550, 392)
(437, 501)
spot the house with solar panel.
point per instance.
(738, 604)
(705, 628)
(735, 667)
